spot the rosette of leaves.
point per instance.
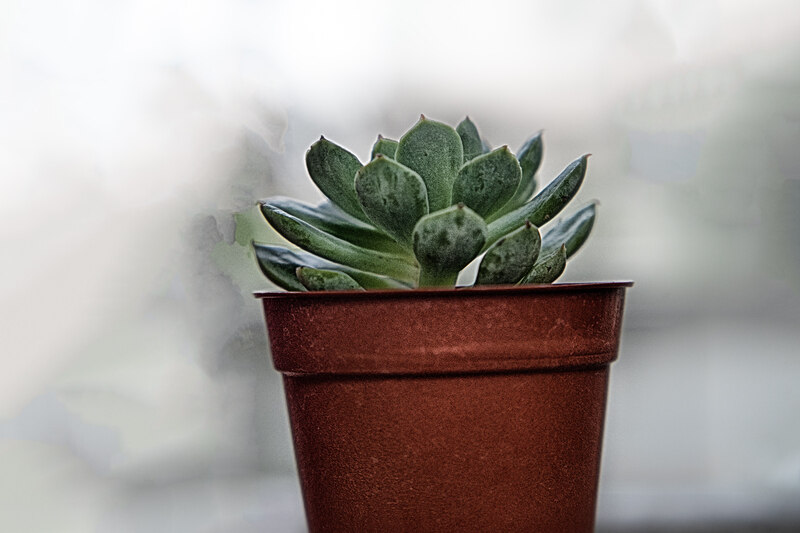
(423, 208)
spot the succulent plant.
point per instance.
(421, 210)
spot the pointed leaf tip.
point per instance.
(434, 151)
(470, 139)
(548, 267)
(332, 169)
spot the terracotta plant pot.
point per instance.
(448, 410)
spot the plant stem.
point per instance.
(429, 278)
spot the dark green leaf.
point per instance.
(334, 169)
(446, 241)
(510, 258)
(487, 182)
(337, 250)
(529, 156)
(571, 231)
(280, 265)
(548, 267)
(315, 279)
(384, 146)
(544, 205)
(333, 220)
(433, 150)
(392, 196)
(470, 139)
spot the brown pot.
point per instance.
(448, 410)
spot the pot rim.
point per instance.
(445, 330)
(446, 291)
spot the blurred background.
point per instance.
(136, 392)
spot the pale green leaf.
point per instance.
(392, 196)
(433, 150)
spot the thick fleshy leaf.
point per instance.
(392, 196)
(446, 241)
(325, 245)
(572, 231)
(315, 279)
(470, 139)
(384, 146)
(529, 156)
(487, 182)
(544, 205)
(280, 265)
(510, 258)
(548, 267)
(433, 150)
(333, 220)
(333, 169)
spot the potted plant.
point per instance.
(418, 406)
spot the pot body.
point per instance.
(448, 410)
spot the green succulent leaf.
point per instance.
(325, 245)
(329, 218)
(433, 150)
(384, 146)
(445, 241)
(392, 196)
(571, 231)
(487, 182)
(529, 156)
(315, 279)
(548, 267)
(509, 259)
(392, 224)
(471, 139)
(280, 265)
(544, 205)
(333, 169)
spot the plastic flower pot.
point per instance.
(447, 410)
